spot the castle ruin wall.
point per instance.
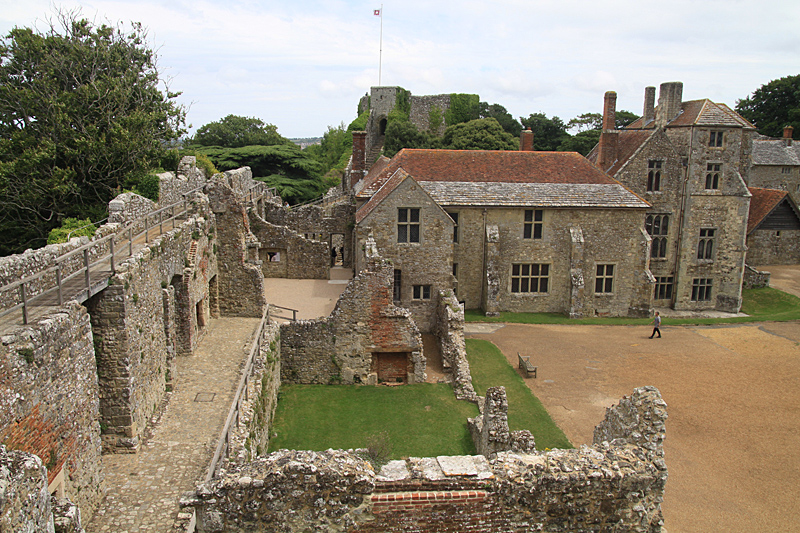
(49, 405)
(422, 108)
(617, 485)
(286, 254)
(449, 329)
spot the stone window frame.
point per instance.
(654, 167)
(716, 139)
(786, 170)
(406, 225)
(421, 292)
(530, 278)
(533, 224)
(604, 274)
(657, 226)
(706, 245)
(713, 176)
(701, 289)
(664, 287)
(454, 216)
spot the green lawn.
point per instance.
(489, 368)
(423, 420)
(763, 305)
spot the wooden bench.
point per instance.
(525, 364)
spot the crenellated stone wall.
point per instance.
(49, 401)
(613, 485)
(349, 345)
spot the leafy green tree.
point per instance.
(586, 121)
(234, 131)
(463, 108)
(82, 115)
(479, 134)
(403, 134)
(582, 142)
(623, 118)
(773, 106)
(548, 133)
(499, 113)
(296, 175)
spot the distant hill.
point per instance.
(307, 141)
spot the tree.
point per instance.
(773, 106)
(582, 142)
(403, 134)
(234, 131)
(82, 115)
(623, 118)
(479, 134)
(548, 133)
(499, 113)
(586, 121)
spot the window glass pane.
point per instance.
(514, 284)
(545, 270)
(525, 282)
(402, 215)
(598, 285)
(543, 284)
(402, 233)
(600, 270)
(526, 231)
(414, 215)
(414, 233)
(528, 215)
(537, 231)
(539, 215)
(608, 284)
(515, 270)
(526, 270)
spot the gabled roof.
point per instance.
(504, 178)
(702, 113)
(763, 203)
(628, 141)
(377, 167)
(775, 152)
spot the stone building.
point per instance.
(776, 164)
(773, 228)
(518, 231)
(690, 161)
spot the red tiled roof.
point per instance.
(387, 186)
(763, 202)
(490, 166)
(628, 141)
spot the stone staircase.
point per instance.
(375, 152)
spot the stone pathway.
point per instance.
(142, 490)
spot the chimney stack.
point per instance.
(359, 165)
(607, 151)
(649, 113)
(526, 140)
(669, 102)
(787, 135)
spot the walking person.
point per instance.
(656, 325)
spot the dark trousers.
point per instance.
(656, 330)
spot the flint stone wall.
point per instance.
(129, 207)
(421, 107)
(340, 347)
(755, 279)
(490, 431)
(449, 329)
(155, 307)
(49, 401)
(173, 185)
(24, 500)
(300, 258)
(615, 485)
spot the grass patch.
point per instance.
(423, 420)
(489, 368)
(763, 305)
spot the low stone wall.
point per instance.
(251, 439)
(755, 279)
(490, 431)
(343, 347)
(49, 401)
(617, 485)
(450, 334)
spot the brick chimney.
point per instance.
(607, 151)
(526, 140)
(359, 166)
(787, 135)
(649, 113)
(670, 97)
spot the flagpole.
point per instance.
(380, 51)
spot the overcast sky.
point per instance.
(303, 65)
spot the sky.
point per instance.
(303, 66)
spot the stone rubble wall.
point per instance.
(171, 278)
(130, 207)
(24, 500)
(251, 438)
(490, 431)
(615, 485)
(340, 347)
(300, 258)
(241, 283)
(767, 247)
(755, 279)
(172, 186)
(450, 335)
(421, 107)
(49, 400)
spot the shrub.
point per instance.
(76, 227)
(149, 187)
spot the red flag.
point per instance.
(377, 12)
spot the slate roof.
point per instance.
(763, 202)
(501, 179)
(703, 113)
(775, 152)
